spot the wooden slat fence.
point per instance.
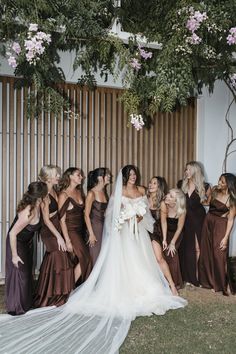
(98, 137)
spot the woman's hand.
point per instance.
(92, 240)
(164, 245)
(223, 244)
(139, 218)
(171, 249)
(69, 246)
(61, 244)
(15, 260)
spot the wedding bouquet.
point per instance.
(130, 212)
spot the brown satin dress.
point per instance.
(213, 261)
(97, 216)
(173, 262)
(157, 234)
(18, 285)
(56, 278)
(76, 229)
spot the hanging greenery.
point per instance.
(198, 41)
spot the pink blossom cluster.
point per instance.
(13, 54)
(193, 25)
(231, 39)
(34, 46)
(135, 63)
(137, 121)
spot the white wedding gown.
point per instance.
(126, 282)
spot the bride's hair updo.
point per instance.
(126, 173)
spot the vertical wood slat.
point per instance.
(100, 137)
(4, 173)
(11, 149)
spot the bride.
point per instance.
(126, 282)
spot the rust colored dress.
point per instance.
(157, 234)
(173, 262)
(193, 226)
(76, 229)
(56, 278)
(97, 216)
(213, 261)
(18, 293)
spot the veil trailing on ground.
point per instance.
(86, 324)
(126, 282)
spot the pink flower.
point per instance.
(194, 39)
(232, 30)
(144, 54)
(12, 62)
(16, 47)
(30, 56)
(29, 44)
(231, 39)
(192, 24)
(137, 121)
(135, 64)
(33, 27)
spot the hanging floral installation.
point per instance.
(197, 42)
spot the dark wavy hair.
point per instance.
(162, 191)
(93, 176)
(65, 179)
(230, 180)
(126, 173)
(35, 191)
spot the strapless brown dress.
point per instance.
(76, 229)
(97, 216)
(56, 278)
(18, 283)
(213, 261)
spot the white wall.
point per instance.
(213, 135)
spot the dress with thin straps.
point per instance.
(56, 278)
(212, 263)
(76, 229)
(18, 284)
(97, 216)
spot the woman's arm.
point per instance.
(23, 220)
(163, 213)
(230, 222)
(88, 206)
(49, 224)
(208, 196)
(171, 247)
(61, 200)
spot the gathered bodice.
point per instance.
(218, 208)
(74, 216)
(28, 231)
(98, 210)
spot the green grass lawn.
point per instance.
(206, 325)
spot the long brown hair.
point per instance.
(161, 192)
(65, 179)
(35, 191)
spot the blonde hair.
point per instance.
(180, 201)
(47, 172)
(197, 178)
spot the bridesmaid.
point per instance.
(19, 250)
(56, 278)
(95, 207)
(157, 189)
(173, 212)
(215, 235)
(71, 210)
(197, 194)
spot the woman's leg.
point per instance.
(164, 266)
